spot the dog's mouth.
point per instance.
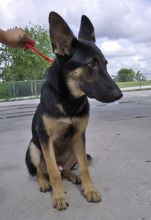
(110, 98)
(100, 86)
(106, 96)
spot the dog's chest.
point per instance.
(63, 129)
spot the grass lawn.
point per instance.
(131, 84)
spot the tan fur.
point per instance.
(73, 82)
(44, 184)
(74, 87)
(88, 188)
(74, 78)
(39, 162)
(59, 199)
(77, 73)
(34, 154)
(42, 165)
(55, 129)
(67, 169)
(81, 123)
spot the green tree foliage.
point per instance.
(125, 75)
(18, 64)
(139, 76)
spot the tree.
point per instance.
(19, 64)
(125, 75)
(139, 76)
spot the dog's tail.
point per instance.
(89, 158)
(31, 168)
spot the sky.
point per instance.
(122, 27)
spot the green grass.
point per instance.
(132, 84)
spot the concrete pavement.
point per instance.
(118, 138)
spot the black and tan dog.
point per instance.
(60, 121)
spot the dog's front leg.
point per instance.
(59, 200)
(88, 188)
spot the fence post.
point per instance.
(14, 93)
(35, 87)
(140, 80)
(32, 89)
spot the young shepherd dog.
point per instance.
(58, 127)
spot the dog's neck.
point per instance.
(57, 80)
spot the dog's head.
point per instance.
(84, 64)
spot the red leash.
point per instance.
(30, 46)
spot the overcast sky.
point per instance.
(122, 27)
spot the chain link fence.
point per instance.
(13, 90)
(10, 90)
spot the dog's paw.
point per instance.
(75, 179)
(71, 177)
(60, 204)
(44, 185)
(93, 196)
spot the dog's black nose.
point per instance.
(117, 94)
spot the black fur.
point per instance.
(31, 167)
(94, 81)
(55, 91)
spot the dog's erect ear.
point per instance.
(60, 34)
(86, 29)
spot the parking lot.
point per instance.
(119, 140)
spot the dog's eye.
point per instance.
(92, 64)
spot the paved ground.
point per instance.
(119, 139)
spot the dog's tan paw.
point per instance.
(74, 179)
(60, 204)
(44, 185)
(71, 177)
(93, 196)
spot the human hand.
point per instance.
(17, 37)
